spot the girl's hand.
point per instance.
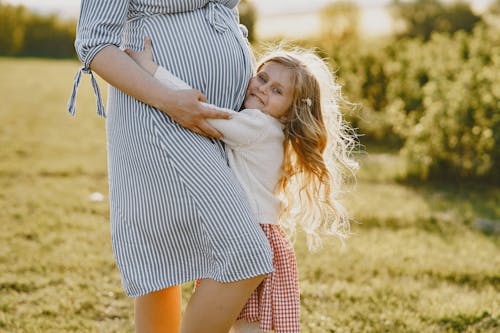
(144, 58)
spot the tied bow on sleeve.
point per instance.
(97, 92)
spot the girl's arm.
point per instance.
(243, 127)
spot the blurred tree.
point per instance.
(340, 21)
(46, 36)
(11, 28)
(459, 16)
(248, 17)
(24, 33)
(421, 18)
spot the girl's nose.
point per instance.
(263, 88)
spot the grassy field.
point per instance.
(415, 264)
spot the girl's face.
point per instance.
(271, 90)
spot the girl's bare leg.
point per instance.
(159, 311)
(243, 326)
(214, 306)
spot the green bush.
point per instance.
(437, 101)
(457, 131)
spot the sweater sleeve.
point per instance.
(243, 128)
(170, 80)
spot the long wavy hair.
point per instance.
(318, 146)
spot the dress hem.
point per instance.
(191, 279)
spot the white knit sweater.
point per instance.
(254, 142)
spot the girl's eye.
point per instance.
(277, 91)
(262, 78)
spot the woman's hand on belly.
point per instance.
(184, 106)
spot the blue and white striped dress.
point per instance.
(177, 211)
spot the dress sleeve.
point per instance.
(100, 24)
(243, 128)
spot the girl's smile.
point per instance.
(271, 90)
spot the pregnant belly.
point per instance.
(209, 57)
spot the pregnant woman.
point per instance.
(178, 213)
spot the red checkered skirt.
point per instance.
(275, 304)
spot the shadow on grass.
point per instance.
(478, 323)
(475, 201)
(392, 200)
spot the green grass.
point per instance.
(414, 264)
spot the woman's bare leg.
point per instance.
(214, 306)
(159, 311)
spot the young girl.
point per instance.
(278, 147)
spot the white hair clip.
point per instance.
(307, 101)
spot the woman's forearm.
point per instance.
(119, 70)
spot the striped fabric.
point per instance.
(177, 211)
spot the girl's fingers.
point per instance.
(201, 97)
(197, 130)
(208, 130)
(218, 115)
(213, 113)
(147, 44)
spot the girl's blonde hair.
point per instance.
(318, 144)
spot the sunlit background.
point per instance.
(290, 18)
(422, 85)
